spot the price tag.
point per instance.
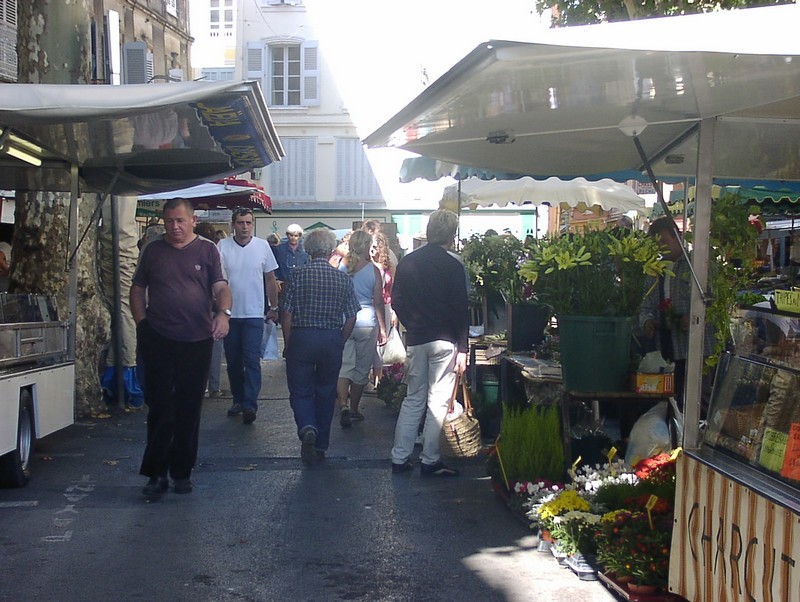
(651, 502)
(612, 453)
(574, 468)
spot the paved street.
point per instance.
(261, 527)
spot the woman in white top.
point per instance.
(370, 328)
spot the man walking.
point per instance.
(290, 255)
(250, 268)
(430, 299)
(171, 296)
(318, 312)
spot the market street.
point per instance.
(259, 526)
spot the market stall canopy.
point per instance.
(578, 192)
(568, 105)
(770, 202)
(221, 194)
(133, 138)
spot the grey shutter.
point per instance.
(137, 63)
(310, 75)
(254, 63)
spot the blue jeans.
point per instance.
(243, 354)
(313, 361)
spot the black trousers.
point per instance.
(175, 381)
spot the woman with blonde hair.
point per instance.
(369, 330)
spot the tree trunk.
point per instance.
(59, 54)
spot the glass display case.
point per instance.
(754, 414)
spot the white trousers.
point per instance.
(430, 378)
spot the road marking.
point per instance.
(18, 504)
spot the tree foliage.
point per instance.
(586, 12)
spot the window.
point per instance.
(218, 75)
(221, 12)
(137, 63)
(355, 180)
(294, 178)
(289, 72)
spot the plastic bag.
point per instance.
(649, 436)
(269, 343)
(393, 352)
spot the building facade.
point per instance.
(325, 176)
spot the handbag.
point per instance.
(461, 434)
(393, 352)
(269, 343)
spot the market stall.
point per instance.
(696, 97)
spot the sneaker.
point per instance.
(356, 416)
(402, 467)
(215, 394)
(437, 470)
(307, 452)
(248, 416)
(344, 418)
(156, 487)
(182, 485)
(235, 409)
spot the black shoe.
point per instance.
(156, 487)
(248, 416)
(320, 455)
(307, 452)
(182, 485)
(344, 418)
(437, 470)
(235, 409)
(401, 468)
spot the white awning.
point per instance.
(133, 138)
(566, 107)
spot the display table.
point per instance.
(525, 381)
(482, 352)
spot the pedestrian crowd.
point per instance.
(196, 292)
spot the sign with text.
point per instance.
(791, 460)
(729, 542)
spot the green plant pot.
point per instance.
(595, 352)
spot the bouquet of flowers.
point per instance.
(391, 388)
(536, 494)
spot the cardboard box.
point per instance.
(653, 383)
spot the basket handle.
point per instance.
(460, 380)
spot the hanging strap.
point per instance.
(460, 380)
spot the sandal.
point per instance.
(345, 417)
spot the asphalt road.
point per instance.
(261, 527)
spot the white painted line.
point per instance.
(18, 504)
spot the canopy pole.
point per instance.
(660, 196)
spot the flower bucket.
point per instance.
(595, 352)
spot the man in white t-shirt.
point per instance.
(250, 267)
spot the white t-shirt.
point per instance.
(245, 267)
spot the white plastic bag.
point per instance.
(393, 352)
(269, 343)
(649, 436)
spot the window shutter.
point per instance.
(310, 79)
(294, 178)
(355, 180)
(254, 61)
(137, 63)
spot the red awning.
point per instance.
(228, 193)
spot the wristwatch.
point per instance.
(227, 312)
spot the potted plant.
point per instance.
(594, 282)
(492, 263)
